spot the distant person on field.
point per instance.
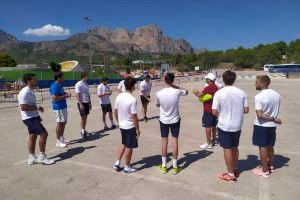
(31, 118)
(209, 121)
(168, 101)
(126, 114)
(84, 103)
(145, 90)
(229, 105)
(267, 104)
(59, 106)
(104, 93)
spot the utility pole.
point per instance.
(88, 22)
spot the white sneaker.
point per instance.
(64, 140)
(206, 146)
(129, 170)
(43, 159)
(32, 161)
(61, 144)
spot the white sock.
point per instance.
(42, 154)
(82, 131)
(58, 140)
(231, 174)
(117, 162)
(174, 163)
(127, 167)
(31, 156)
(163, 161)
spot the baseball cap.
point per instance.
(211, 76)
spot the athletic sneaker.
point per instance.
(206, 146)
(176, 170)
(162, 169)
(258, 171)
(129, 170)
(145, 119)
(117, 168)
(272, 168)
(83, 136)
(61, 144)
(227, 177)
(32, 161)
(64, 140)
(43, 159)
(106, 128)
(113, 126)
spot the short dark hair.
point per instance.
(169, 78)
(264, 79)
(129, 83)
(83, 74)
(104, 79)
(147, 76)
(229, 77)
(58, 75)
(28, 77)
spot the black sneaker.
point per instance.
(117, 168)
(105, 128)
(113, 126)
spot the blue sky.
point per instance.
(219, 24)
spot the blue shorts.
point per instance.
(34, 125)
(86, 109)
(264, 136)
(229, 140)
(165, 128)
(129, 138)
(209, 120)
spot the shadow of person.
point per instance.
(92, 136)
(253, 161)
(191, 157)
(70, 153)
(150, 161)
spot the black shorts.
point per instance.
(164, 129)
(129, 138)
(229, 140)
(34, 125)
(144, 100)
(264, 136)
(209, 120)
(106, 108)
(86, 109)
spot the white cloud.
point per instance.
(297, 36)
(48, 30)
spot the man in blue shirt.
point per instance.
(59, 105)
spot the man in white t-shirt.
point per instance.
(229, 105)
(83, 102)
(126, 114)
(145, 90)
(31, 118)
(168, 101)
(121, 87)
(267, 104)
(104, 93)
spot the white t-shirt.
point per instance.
(82, 89)
(230, 102)
(268, 101)
(121, 86)
(145, 87)
(126, 105)
(168, 99)
(101, 89)
(27, 96)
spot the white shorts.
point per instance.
(61, 115)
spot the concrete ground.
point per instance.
(84, 169)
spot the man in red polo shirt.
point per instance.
(209, 121)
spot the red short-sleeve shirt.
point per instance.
(210, 89)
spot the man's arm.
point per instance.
(136, 124)
(26, 107)
(59, 98)
(116, 114)
(197, 93)
(265, 117)
(215, 112)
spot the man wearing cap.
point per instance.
(209, 121)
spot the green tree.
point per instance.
(55, 67)
(7, 61)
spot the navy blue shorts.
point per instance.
(229, 140)
(106, 108)
(86, 109)
(165, 128)
(264, 136)
(129, 138)
(209, 120)
(34, 125)
(144, 100)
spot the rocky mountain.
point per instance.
(146, 39)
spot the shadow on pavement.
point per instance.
(92, 136)
(192, 157)
(70, 153)
(150, 118)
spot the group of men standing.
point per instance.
(223, 113)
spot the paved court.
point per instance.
(84, 169)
